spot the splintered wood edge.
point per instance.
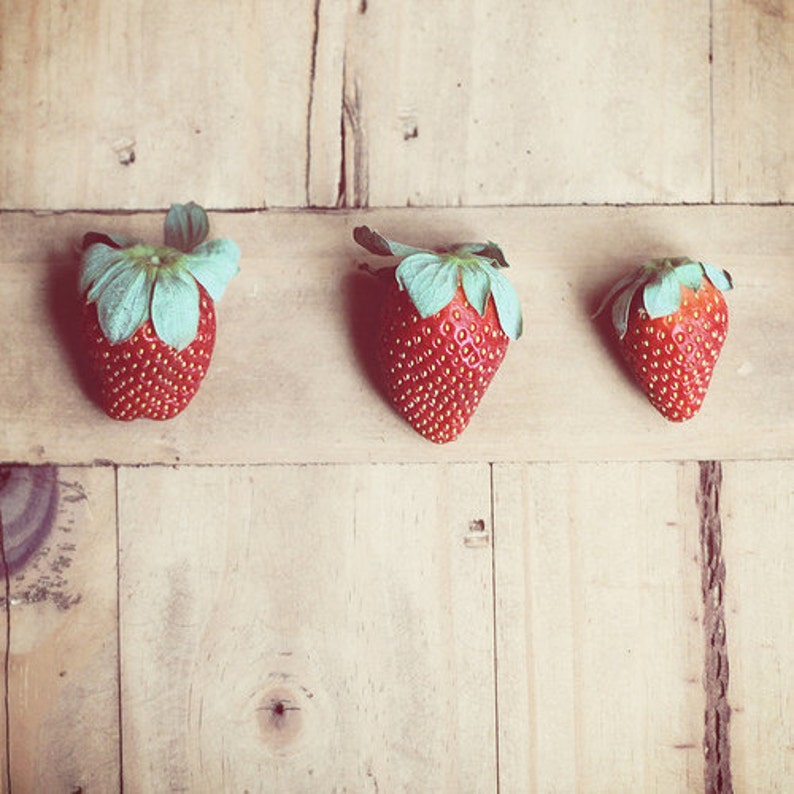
(716, 669)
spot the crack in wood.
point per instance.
(341, 187)
(353, 192)
(716, 740)
(310, 108)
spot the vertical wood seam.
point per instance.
(341, 185)
(118, 630)
(495, 640)
(353, 187)
(360, 165)
(716, 739)
(712, 120)
(6, 654)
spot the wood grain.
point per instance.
(461, 104)
(354, 103)
(599, 642)
(138, 104)
(757, 505)
(292, 378)
(308, 596)
(753, 100)
(304, 104)
(304, 627)
(62, 669)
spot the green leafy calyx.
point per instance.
(660, 282)
(132, 282)
(432, 278)
(186, 225)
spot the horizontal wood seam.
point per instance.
(362, 203)
(120, 704)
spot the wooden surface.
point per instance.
(753, 100)
(758, 504)
(287, 590)
(359, 102)
(61, 660)
(599, 645)
(389, 624)
(291, 379)
(291, 646)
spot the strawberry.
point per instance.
(671, 320)
(149, 313)
(445, 325)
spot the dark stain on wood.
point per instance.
(716, 741)
(37, 547)
(28, 505)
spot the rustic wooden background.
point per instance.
(287, 590)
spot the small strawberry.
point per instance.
(671, 320)
(444, 329)
(149, 316)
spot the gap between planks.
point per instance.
(360, 204)
(716, 667)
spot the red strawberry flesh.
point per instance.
(143, 376)
(437, 369)
(673, 357)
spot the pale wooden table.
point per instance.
(285, 589)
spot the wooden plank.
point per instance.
(599, 642)
(753, 100)
(757, 502)
(105, 107)
(291, 379)
(60, 545)
(452, 103)
(252, 113)
(289, 628)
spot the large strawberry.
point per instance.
(671, 320)
(444, 329)
(149, 316)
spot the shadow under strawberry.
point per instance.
(605, 330)
(65, 313)
(365, 291)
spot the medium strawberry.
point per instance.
(149, 315)
(671, 320)
(446, 322)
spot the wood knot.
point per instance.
(280, 717)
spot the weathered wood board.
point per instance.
(61, 706)
(599, 637)
(103, 105)
(531, 102)
(300, 593)
(356, 103)
(304, 627)
(753, 100)
(758, 504)
(292, 378)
